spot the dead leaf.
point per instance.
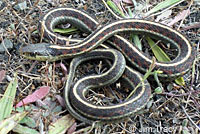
(63, 67)
(72, 128)
(2, 75)
(179, 17)
(60, 100)
(164, 15)
(117, 1)
(38, 94)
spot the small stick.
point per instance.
(190, 118)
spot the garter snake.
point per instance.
(104, 113)
(98, 34)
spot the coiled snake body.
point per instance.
(76, 103)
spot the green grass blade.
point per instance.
(180, 81)
(130, 12)
(61, 125)
(157, 51)
(162, 5)
(24, 130)
(8, 124)
(162, 56)
(30, 122)
(115, 8)
(146, 75)
(136, 41)
(6, 102)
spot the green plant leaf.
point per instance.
(136, 41)
(185, 131)
(162, 56)
(180, 81)
(24, 130)
(158, 90)
(22, 109)
(115, 8)
(163, 5)
(130, 12)
(6, 102)
(146, 75)
(61, 125)
(8, 124)
(28, 121)
(157, 51)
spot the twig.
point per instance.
(194, 25)
(141, 124)
(186, 14)
(179, 95)
(184, 110)
(32, 66)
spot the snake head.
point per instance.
(40, 51)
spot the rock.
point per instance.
(5, 44)
(21, 6)
(2, 5)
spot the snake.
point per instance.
(83, 50)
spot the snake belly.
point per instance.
(74, 95)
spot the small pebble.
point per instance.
(21, 6)
(5, 44)
(2, 5)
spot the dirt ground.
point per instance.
(171, 109)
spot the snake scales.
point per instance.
(84, 50)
